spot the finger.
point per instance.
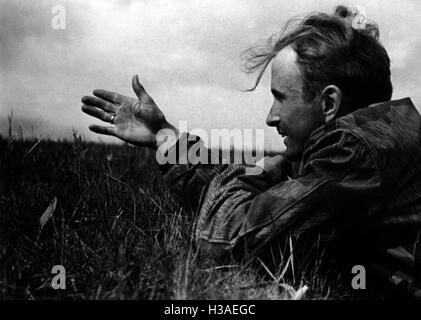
(139, 89)
(99, 103)
(97, 113)
(110, 131)
(109, 96)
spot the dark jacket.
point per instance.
(358, 190)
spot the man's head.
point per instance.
(323, 68)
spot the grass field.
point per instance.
(116, 229)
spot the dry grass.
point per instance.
(116, 229)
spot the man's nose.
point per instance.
(273, 118)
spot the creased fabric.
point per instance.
(359, 182)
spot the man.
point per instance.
(356, 192)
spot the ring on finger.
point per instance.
(112, 118)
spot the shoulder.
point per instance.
(390, 114)
(367, 139)
(368, 128)
(335, 150)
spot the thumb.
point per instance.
(138, 88)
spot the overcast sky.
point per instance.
(186, 54)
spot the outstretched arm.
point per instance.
(140, 122)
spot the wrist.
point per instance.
(166, 137)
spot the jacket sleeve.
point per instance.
(241, 213)
(190, 181)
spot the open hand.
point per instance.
(136, 121)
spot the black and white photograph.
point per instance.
(193, 150)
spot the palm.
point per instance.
(136, 121)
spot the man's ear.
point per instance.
(331, 100)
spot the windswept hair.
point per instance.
(341, 49)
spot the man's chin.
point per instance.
(291, 155)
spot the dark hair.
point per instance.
(341, 49)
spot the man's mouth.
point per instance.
(282, 133)
(284, 136)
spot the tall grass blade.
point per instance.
(48, 213)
